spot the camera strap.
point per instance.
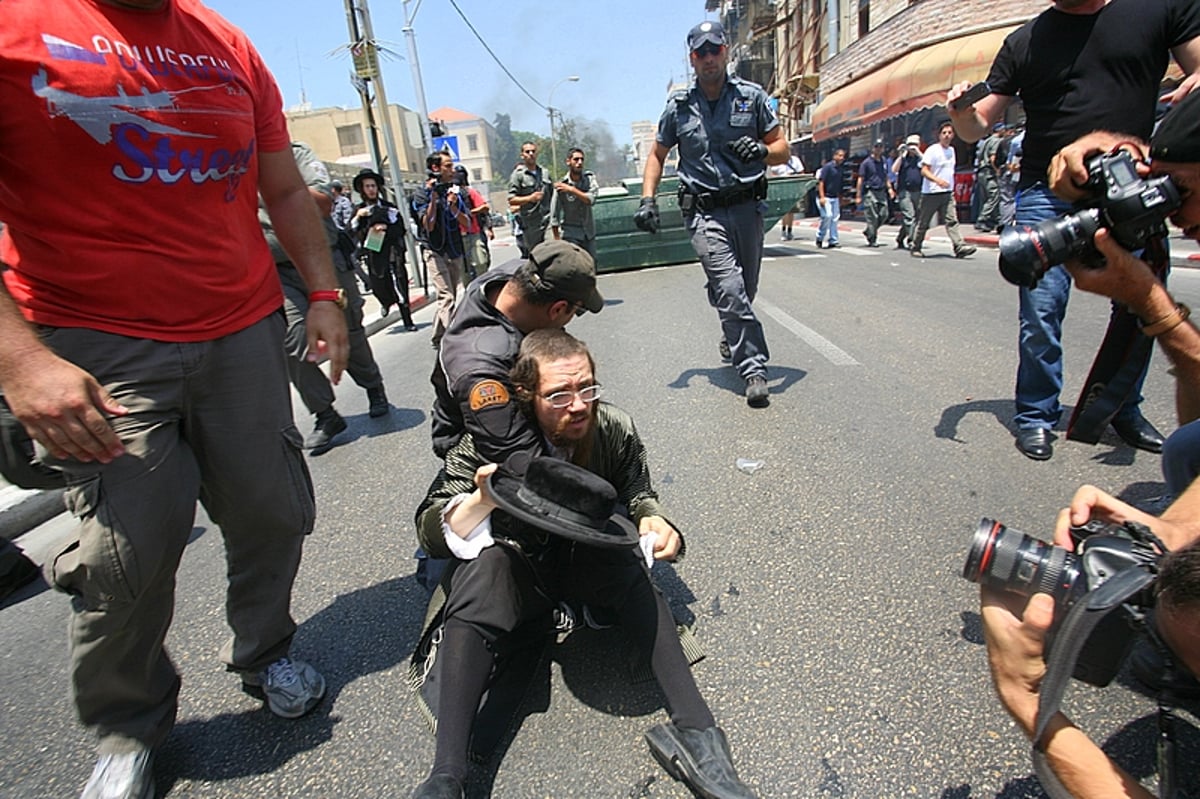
(1076, 628)
(1119, 362)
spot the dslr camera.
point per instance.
(1133, 209)
(1008, 560)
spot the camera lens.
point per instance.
(1009, 560)
(1027, 252)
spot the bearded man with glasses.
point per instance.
(508, 575)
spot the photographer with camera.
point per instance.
(1079, 66)
(1176, 154)
(1016, 645)
(440, 211)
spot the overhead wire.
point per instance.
(495, 57)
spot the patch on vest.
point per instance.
(488, 394)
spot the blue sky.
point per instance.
(625, 53)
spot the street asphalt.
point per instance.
(844, 651)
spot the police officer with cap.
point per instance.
(727, 137)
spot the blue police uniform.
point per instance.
(720, 198)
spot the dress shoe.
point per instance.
(122, 776)
(757, 395)
(439, 786)
(1034, 442)
(329, 424)
(1138, 432)
(900, 245)
(699, 758)
(963, 252)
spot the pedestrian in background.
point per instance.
(907, 172)
(441, 214)
(873, 191)
(529, 193)
(143, 350)
(379, 230)
(829, 199)
(571, 207)
(937, 194)
(307, 377)
(987, 177)
(476, 258)
(727, 137)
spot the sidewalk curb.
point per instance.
(30, 511)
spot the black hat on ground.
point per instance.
(1178, 136)
(561, 498)
(565, 270)
(367, 173)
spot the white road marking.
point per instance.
(831, 352)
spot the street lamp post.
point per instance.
(552, 112)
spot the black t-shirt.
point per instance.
(1076, 73)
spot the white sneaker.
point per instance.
(122, 776)
(291, 688)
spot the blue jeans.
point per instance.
(830, 211)
(1181, 458)
(1042, 310)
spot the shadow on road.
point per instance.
(360, 633)
(779, 379)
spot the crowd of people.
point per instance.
(543, 508)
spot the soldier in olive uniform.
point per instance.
(529, 193)
(727, 137)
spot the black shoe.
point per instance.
(378, 402)
(699, 758)
(832, 245)
(756, 392)
(963, 252)
(723, 349)
(1138, 432)
(819, 244)
(1034, 442)
(900, 245)
(329, 424)
(439, 787)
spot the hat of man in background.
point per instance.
(913, 141)
(879, 143)
(1178, 136)
(566, 271)
(706, 32)
(367, 173)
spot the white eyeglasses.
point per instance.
(564, 399)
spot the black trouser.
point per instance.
(495, 593)
(389, 279)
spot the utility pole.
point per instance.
(410, 37)
(363, 84)
(367, 66)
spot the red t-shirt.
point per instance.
(129, 145)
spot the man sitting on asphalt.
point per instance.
(558, 538)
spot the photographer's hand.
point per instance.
(1068, 169)
(1090, 503)
(1015, 645)
(1125, 278)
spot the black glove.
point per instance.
(748, 149)
(646, 216)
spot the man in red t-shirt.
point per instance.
(156, 374)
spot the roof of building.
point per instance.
(448, 114)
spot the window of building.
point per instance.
(864, 17)
(350, 140)
(476, 175)
(472, 143)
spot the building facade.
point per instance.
(341, 138)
